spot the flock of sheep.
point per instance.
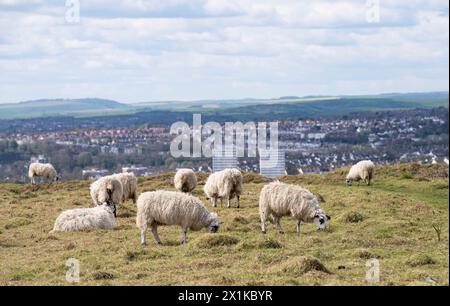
(180, 208)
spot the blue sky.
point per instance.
(137, 50)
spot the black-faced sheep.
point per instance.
(364, 170)
(172, 208)
(277, 200)
(107, 189)
(46, 171)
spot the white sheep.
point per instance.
(46, 171)
(129, 185)
(278, 199)
(106, 189)
(185, 180)
(224, 184)
(363, 170)
(81, 219)
(172, 208)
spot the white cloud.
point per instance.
(180, 49)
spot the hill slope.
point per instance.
(60, 107)
(289, 107)
(396, 215)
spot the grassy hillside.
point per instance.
(391, 220)
(61, 107)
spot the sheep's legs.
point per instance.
(298, 226)
(238, 201)
(143, 234)
(280, 229)
(155, 233)
(183, 236)
(263, 224)
(214, 202)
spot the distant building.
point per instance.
(94, 174)
(272, 164)
(226, 158)
(39, 159)
(132, 150)
(110, 149)
(138, 171)
(316, 136)
(64, 142)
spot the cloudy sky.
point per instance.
(137, 50)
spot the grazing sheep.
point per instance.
(224, 184)
(81, 219)
(46, 171)
(172, 208)
(185, 180)
(364, 170)
(278, 199)
(129, 185)
(107, 189)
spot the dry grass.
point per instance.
(398, 213)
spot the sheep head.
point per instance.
(214, 223)
(321, 219)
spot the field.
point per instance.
(393, 221)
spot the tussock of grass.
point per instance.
(240, 220)
(365, 254)
(131, 255)
(270, 244)
(18, 222)
(441, 186)
(70, 246)
(299, 266)
(353, 217)
(414, 170)
(254, 178)
(420, 260)
(215, 240)
(101, 275)
(21, 275)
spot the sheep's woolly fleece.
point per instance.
(46, 171)
(81, 219)
(224, 183)
(279, 199)
(185, 180)
(363, 170)
(129, 185)
(99, 190)
(172, 208)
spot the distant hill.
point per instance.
(287, 107)
(61, 107)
